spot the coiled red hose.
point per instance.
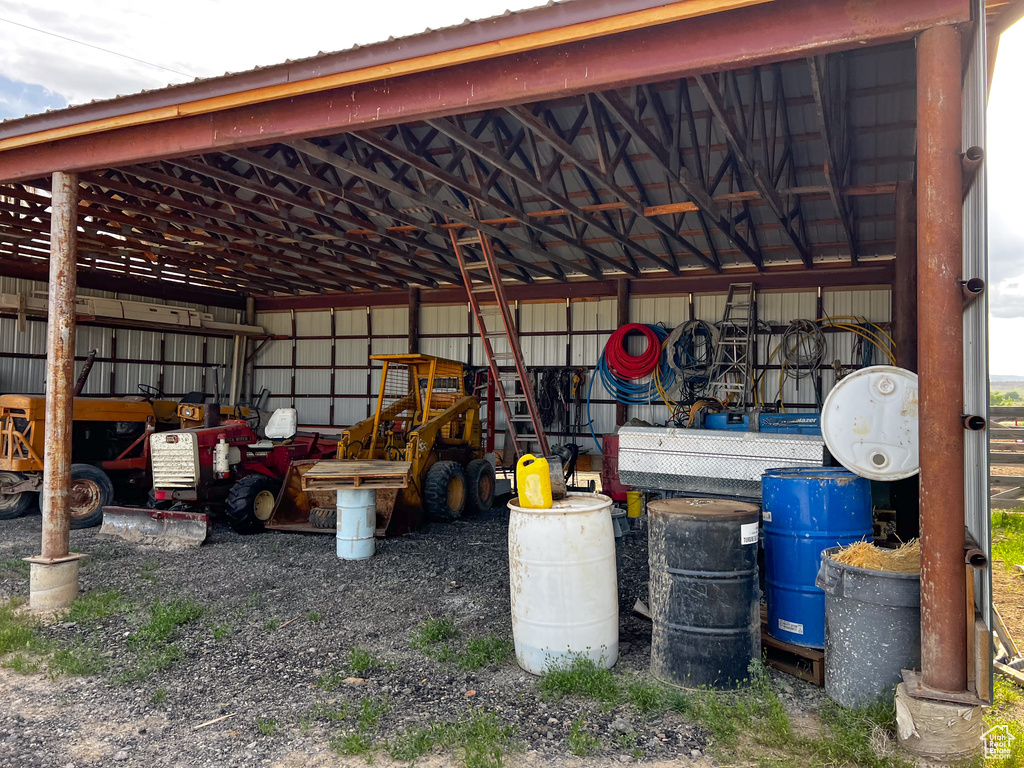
(628, 366)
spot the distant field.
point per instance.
(1008, 386)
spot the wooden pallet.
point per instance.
(338, 474)
(796, 660)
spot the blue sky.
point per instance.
(39, 72)
(19, 98)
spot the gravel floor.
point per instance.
(280, 613)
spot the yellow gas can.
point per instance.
(534, 481)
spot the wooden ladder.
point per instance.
(489, 281)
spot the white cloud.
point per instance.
(1005, 167)
(199, 37)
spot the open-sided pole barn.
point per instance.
(617, 153)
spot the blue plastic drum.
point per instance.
(805, 511)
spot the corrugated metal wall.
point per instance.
(554, 334)
(175, 362)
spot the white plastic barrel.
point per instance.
(357, 523)
(563, 580)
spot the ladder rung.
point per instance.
(523, 418)
(495, 334)
(503, 355)
(471, 240)
(477, 265)
(482, 289)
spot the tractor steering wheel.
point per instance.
(253, 420)
(150, 391)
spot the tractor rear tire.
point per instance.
(90, 491)
(14, 505)
(444, 492)
(250, 503)
(323, 517)
(479, 486)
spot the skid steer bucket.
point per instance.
(155, 527)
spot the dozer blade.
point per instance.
(155, 527)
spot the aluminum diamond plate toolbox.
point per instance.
(704, 461)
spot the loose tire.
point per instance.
(479, 486)
(90, 491)
(14, 505)
(250, 503)
(323, 517)
(444, 492)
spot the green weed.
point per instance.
(159, 696)
(356, 743)
(18, 631)
(646, 697)
(151, 642)
(1006, 711)
(148, 569)
(360, 661)
(330, 680)
(331, 713)
(431, 632)
(94, 606)
(581, 677)
(482, 651)
(21, 664)
(412, 745)
(266, 726)
(222, 631)
(270, 625)
(480, 739)
(16, 565)
(313, 616)
(164, 618)
(581, 741)
(1008, 537)
(77, 661)
(848, 736)
(371, 710)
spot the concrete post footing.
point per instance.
(53, 584)
(941, 732)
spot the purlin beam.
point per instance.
(467, 189)
(835, 163)
(694, 187)
(479, 149)
(345, 165)
(759, 175)
(315, 230)
(560, 146)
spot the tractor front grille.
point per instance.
(175, 457)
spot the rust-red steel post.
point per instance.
(60, 367)
(940, 360)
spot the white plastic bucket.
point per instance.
(563, 582)
(357, 523)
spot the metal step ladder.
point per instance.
(488, 281)
(734, 357)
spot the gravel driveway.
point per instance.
(272, 653)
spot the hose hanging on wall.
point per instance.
(622, 374)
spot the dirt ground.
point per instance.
(280, 615)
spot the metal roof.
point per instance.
(793, 163)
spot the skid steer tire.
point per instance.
(479, 486)
(444, 492)
(90, 491)
(323, 517)
(250, 503)
(14, 505)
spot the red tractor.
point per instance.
(226, 468)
